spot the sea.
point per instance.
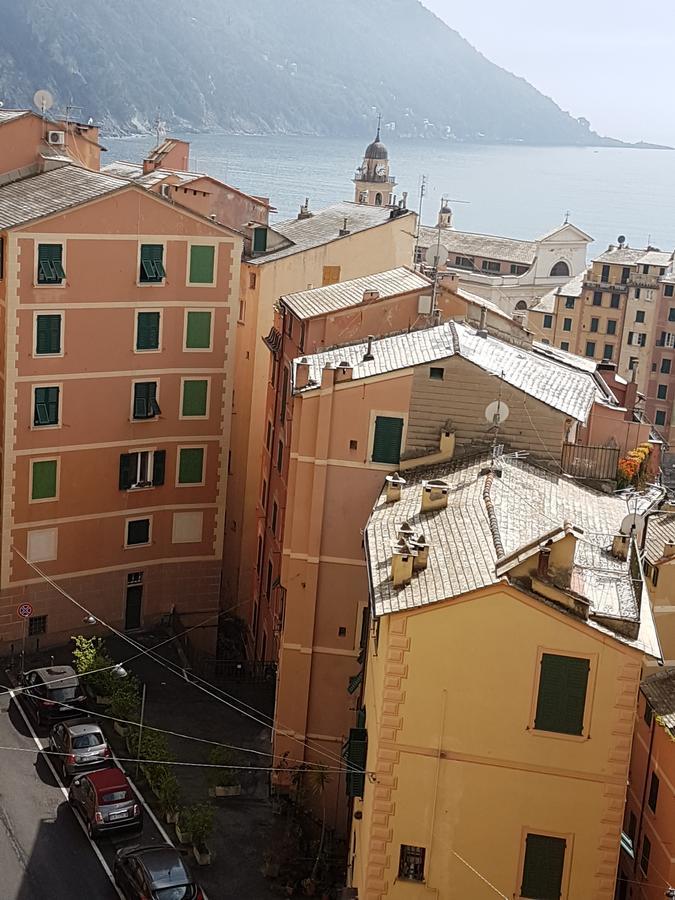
(517, 191)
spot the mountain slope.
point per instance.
(298, 66)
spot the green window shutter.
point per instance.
(152, 265)
(387, 440)
(48, 334)
(138, 531)
(198, 335)
(190, 465)
(44, 479)
(145, 400)
(355, 753)
(543, 867)
(562, 694)
(158, 467)
(50, 264)
(128, 463)
(194, 398)
(46, 410)
(147, 331)
(202, 260)
(259, 240)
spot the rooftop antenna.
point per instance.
(379, 123)
(69, 109)
(423, 190)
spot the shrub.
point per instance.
(169, 793)
(198, 820)
(222, 777)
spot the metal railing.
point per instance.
(589, 462)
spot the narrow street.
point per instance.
(44, 853)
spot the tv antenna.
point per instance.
(43, 100)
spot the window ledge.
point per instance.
(560, 735)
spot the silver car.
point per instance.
(80, 746)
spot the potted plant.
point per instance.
(202, 826)
(156, 775)
(169, 798)
(183, 825)
(125, 707)
(223, 776)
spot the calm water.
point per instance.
(516, 191)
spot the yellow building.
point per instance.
(659, 565)
(503, 667)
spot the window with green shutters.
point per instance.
(50, 264)
(147, 331)
(195, 393)
(152, 264)
(355, 752)
(561, 701)
(198, 330)
(543, 867)
(46, 410)
(387, 440)
(202, 259)
(190, 465)
(47, 333)
(138, 531)
(259, 240)
(43, 482)
(145, 404)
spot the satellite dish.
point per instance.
(621, 239)
(632, 520)
(496, 412)
(436, 256)
(43, 100)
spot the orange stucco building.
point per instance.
(116, 353)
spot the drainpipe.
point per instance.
(644, 794)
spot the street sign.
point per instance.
(25, 610)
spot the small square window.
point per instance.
(190, 465)
(353, 445)
(437, 373)
(138, 532)
(43, 479)
(46, 409)
(152, 264)
(202, 263)
(198, 329)
(411, 863)
(342, 631)
(47, 334)
(50, 264)
(564, 345)
(145, 404)
(37, 625)
(548, 321)
(147, 331)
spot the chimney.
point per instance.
(149, 165)
(669, 549)
(421, 547)
(302, 373)
(406, 532)
(344, 371)
(447, 443)
(542, 562)
(304, 210)
(404, 201)
(369, 296)
(368, 355)
(401, 563)
(327, 376)
(620, 546)
(394, 484)
(519, 318)
(434, 495)
(482, 328)
(630, 397)
(344, 231)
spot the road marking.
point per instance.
(64, 791)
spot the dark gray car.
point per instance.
(79, 745)
(154, 873)
(52, 694)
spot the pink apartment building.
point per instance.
(116, 326)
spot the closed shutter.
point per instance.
(44, 480)
(543, 867)
(563, 681)
(198, 335)
(190, 465)
(201, 264)
(194, 398)
(356, 751)
(158, 467)
(387, 440)
(48, 334)
(147, 331)
(128, 465)
(259, 240)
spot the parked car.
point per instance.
(105, 801)
(155, 873)
(53, 694)
(79, 745)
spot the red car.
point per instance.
(105, 801)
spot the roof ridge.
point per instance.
(492, 515)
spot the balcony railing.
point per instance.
(589, 462)
(362, 175)
(615, 288)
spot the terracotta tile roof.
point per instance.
(659, 689)
(659, 531)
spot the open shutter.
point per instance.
(127, 470)
(158, 467)
(356, 751)
(562, 694)
(387, 440)
(543, 867)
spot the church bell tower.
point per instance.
(373, 186)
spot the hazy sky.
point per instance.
(611, 61)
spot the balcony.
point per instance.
(594, 282)
(362, 175)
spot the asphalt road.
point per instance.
(44, 853)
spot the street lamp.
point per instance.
(670, 893)
(90, 620)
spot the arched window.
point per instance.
(521, 304)
(560, 270)
(378, 199)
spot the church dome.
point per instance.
(376, 150)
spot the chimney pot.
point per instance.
(368, 356)
(421, 547)
(369, 296)
(669, 549)
(543, 561)
(302, 373)
(394, 484)
(401, 563)
(434, 495)
(620, 546)
(482, 328)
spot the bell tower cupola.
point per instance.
(373, 185)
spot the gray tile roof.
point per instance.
(559, 386)
(628, 256)
(573, 288)
(324, 227)
(134, 172)
(334, 297)
(659, 689)
(482, 301)
(659, 531)
(528, 503)
(52, 192)
(465, 243)
(7, 115)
